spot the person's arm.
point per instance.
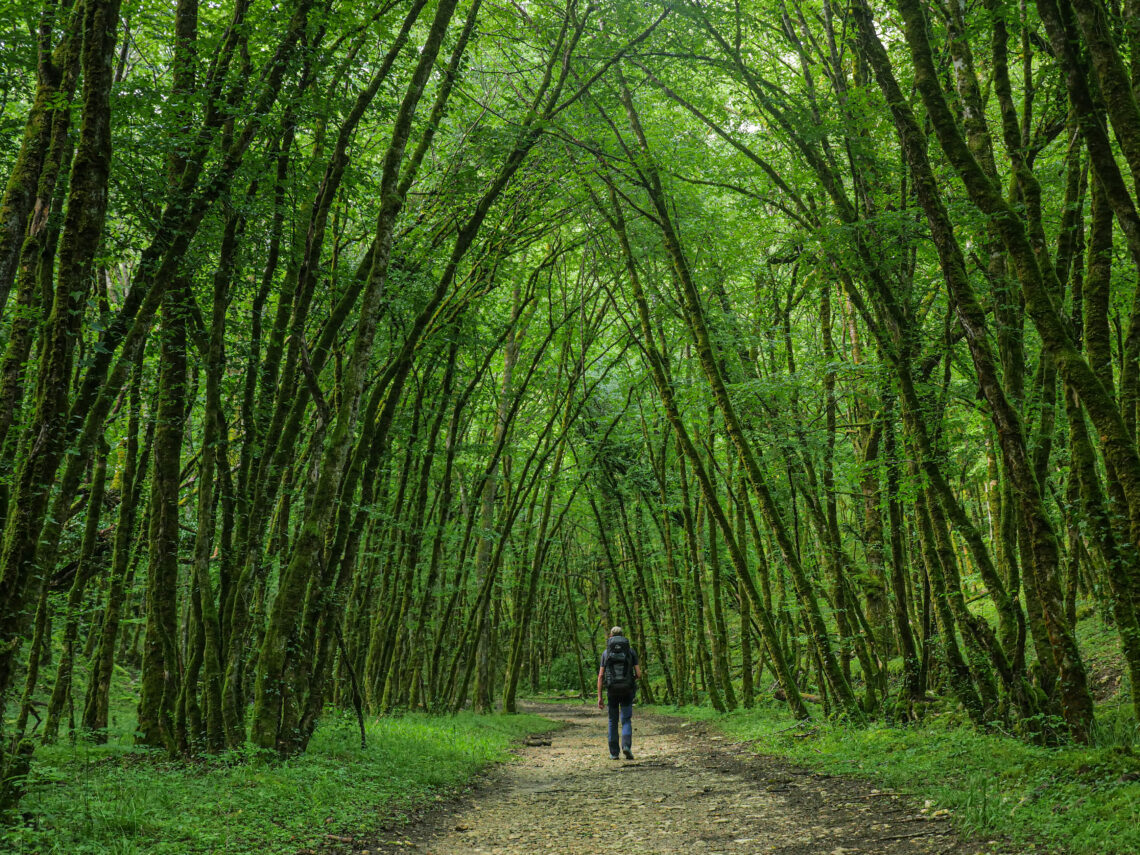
(601, 672)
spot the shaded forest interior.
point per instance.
(382, 357)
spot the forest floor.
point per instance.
(688, 790)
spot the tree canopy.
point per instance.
(385, 357)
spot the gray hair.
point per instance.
(615, 631)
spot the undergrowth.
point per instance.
(118, 800)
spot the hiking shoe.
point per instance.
(613, 757)
(628, 754)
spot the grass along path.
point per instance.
(117, 800)
(687, 792)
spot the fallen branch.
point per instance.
(781, 695)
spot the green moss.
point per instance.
(116, 799)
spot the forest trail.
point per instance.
(686, 791)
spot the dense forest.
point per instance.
(381, 357)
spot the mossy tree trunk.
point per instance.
(96, 708)
(85, 569)
(162, 666)
(20, 575)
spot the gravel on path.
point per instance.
(687, 790)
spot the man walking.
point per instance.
(619, 672)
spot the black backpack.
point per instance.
(619, 675)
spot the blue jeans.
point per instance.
(624, 706)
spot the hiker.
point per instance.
(619, 672)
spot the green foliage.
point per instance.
(563, 673)
(116, 799)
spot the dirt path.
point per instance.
(686, 791)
